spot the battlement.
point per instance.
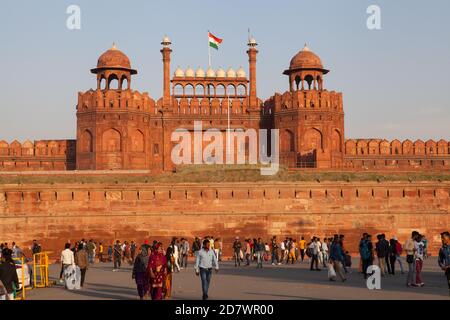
(116, 100)
(37, 155)
(313, 100)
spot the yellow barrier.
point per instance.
(22, 278)
(40, 263)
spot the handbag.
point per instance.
(410, 258)
(331, 271)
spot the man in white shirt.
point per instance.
(325, 252)
(67, 259)
(205, 261)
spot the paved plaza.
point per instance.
(244, 283)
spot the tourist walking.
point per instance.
(314, 251)
(248, 252)
(157, 271)
(392, 254)
(91, 251)
(399, 251)
(275, 251)
(291, 255)
(67, 259)
(184, 252)
(302, 246)
(337, 259)
(366, 252)
(419, 257)
(325, 255)
(139, 273)
(81, 260)
(444, 256)
(382, 251)
(176, 256)
(205, 262)
(167, 288)
(100, 252)
(117, 255)
(8, 275)
(410, 259)
(237, 252)
(259, 250)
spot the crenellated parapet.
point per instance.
(37, 155)
(381, 154)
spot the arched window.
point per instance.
(199, 90)
(220, 90)
(124, 84)
(102, 83)
(189, 90)
(178, 90)
(86, 141)
(112, 141)
(113, 82)
(309, 80)
(241, 90)
(137, 141)
(231, 90)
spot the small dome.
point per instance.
(210, 73)
(179, 72)
(252, 42)
(231, 73)
(189, 72)
(241, 73)
(220, 73)
(166, 39)
(306, 59)
(113, 58)
(200, 73)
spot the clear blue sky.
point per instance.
(396, 81)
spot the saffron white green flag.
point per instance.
(214, 41)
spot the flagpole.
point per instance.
(209, 52)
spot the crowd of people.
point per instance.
(153, 264)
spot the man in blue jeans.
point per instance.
(204, 263)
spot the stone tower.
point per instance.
(113, 120)
(310, 118)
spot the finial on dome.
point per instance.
(114, 47)
(305, 48)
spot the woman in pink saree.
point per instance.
(157, 271)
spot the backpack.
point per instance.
(364, 250)
(398, 248)
(309, 252)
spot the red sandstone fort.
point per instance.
(119, 128)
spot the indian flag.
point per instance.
(214, 41)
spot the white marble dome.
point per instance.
(231, 73)
(210, 73)
(220, 73)
(200, 73)
(241, 73)
(189, 72)
(179, 72)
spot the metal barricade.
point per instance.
(40, 269)
(22, 277)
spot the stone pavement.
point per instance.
(271, 282)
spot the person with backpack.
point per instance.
(410, 259)
(365, 251)
(196, 246)
(381, 251)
